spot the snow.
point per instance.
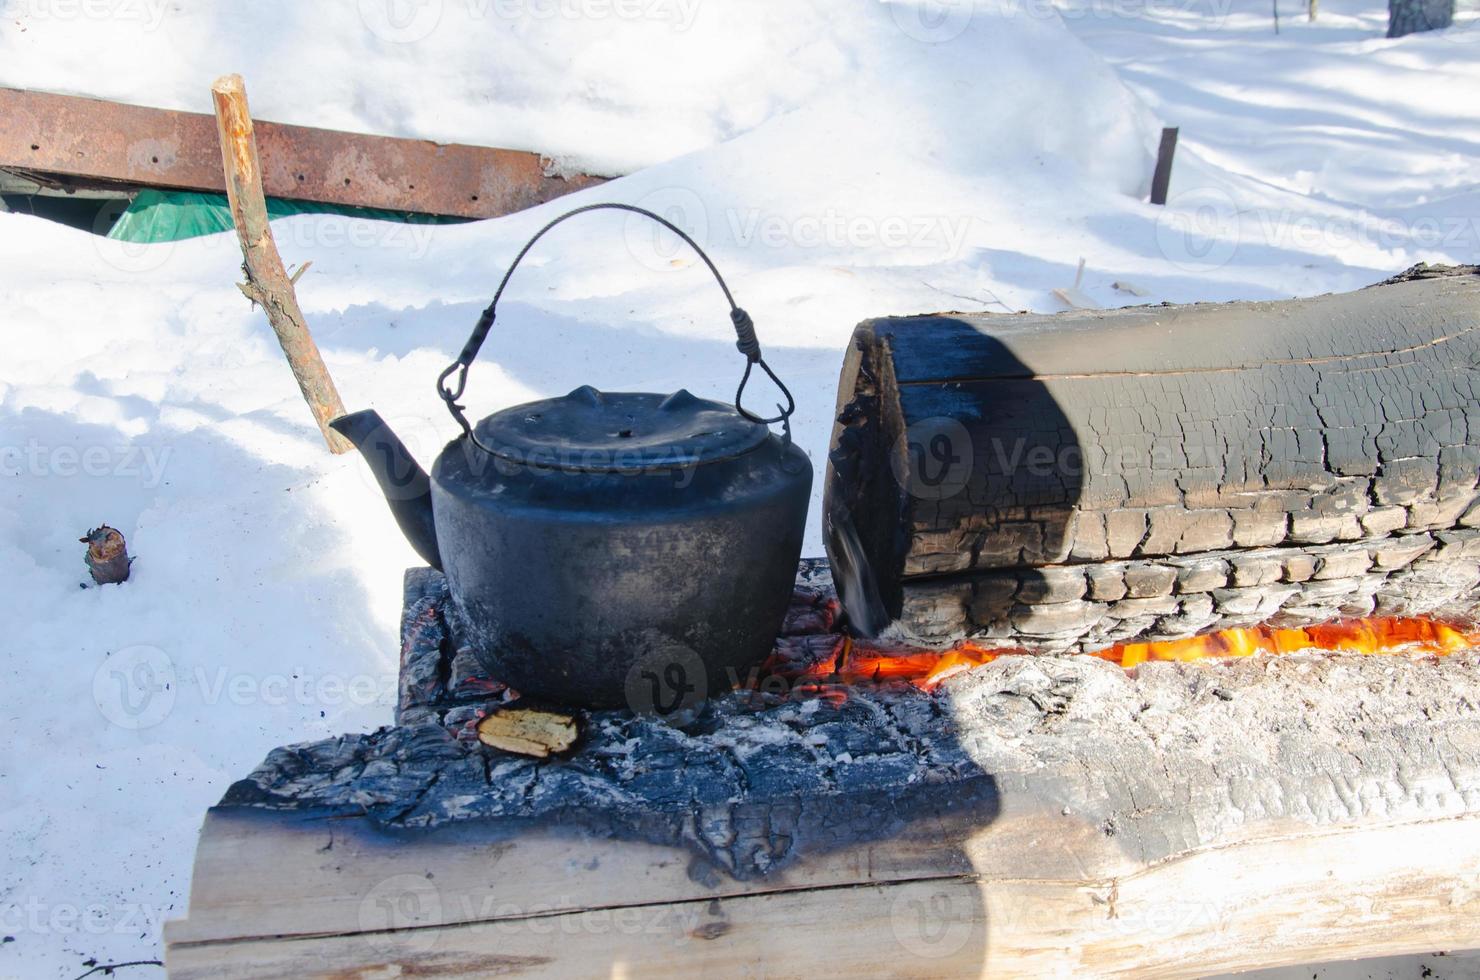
(837, 161)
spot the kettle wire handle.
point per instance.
(745, 338)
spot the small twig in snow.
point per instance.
(108, 968)
(974, 299)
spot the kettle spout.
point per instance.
(404, 483)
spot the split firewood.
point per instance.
(529, 731)
(107, 555)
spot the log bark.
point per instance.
(267, 282)
(1159, 459)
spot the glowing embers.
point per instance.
(1382, 635)
(827, 665)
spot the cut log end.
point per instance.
(529, 731)
(231, 85)
(107, 556)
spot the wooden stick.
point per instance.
(267, 282)
(1161, 178)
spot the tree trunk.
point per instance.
(1412, 16)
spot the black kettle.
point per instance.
(605, 549)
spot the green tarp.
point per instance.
(169, 216)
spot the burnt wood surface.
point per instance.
(1066, 481)
(1039, 815)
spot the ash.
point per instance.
(754, 780)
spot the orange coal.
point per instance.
(852, 661)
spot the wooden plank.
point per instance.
(1287, 897)
(145, 147)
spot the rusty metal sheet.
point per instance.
(136, 145)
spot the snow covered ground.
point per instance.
(839, 160)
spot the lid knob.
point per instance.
(678, 401)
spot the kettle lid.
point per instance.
(613, 432)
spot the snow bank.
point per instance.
(608, 86)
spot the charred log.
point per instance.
(1175, 821)
(1065, 481)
